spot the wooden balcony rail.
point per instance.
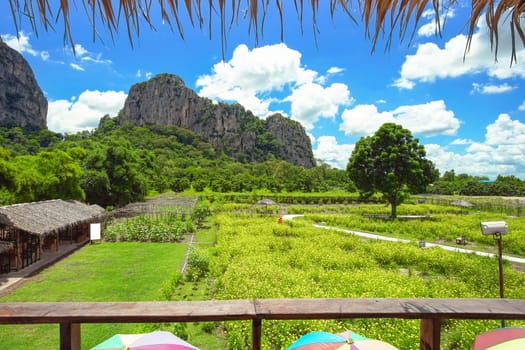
(69, 315)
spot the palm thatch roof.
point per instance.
(48, 217)
(380, 17)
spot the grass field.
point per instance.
(99, 272)
(252, 256)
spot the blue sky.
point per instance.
(469, 113)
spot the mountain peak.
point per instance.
(230, 128)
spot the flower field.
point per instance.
(255, 257)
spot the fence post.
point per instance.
(430, 334)
(256, 334)
(69, 336)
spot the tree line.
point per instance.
(118, 164)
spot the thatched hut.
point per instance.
(28, 228)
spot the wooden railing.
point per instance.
(70, 315)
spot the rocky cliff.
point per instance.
(165, 100)
(22, 102)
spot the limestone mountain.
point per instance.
(22, 102)
(230, 128)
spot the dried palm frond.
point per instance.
(380, 17)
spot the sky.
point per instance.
(467, 110)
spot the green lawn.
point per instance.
(100, 272)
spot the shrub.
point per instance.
(198, 264)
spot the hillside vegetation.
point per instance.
(119, 164)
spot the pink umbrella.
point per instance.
(509, 338)
(158, 340)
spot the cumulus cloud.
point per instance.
(505, 131)
(501, 152)
(332, 153)
(363, 120)
(490, 89)
(431, 62)
(84, 112)
(22, 45)
(479, 160)
(250, 76)
(312, 101)
(427, 119)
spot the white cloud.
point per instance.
(480, 160)
(251, 75)
(491, 89)
(428, 119)
(141, 75)
(77, 67)
(85, 112)
(505, 131)
(80, 51)
(83, 57)
(428, 29)
(461, 142)
(263, 69)
(332, 153)
(363, 120)
(22, 45)
(430, 62)
(501, 152)
(522, 106)
(312, 101)
(334, 70)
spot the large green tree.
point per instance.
(391, 162)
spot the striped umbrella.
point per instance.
(343, 341)
(158, 340)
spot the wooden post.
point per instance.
(430, 334)
(256, 333)
(69, 336)
(500, 270)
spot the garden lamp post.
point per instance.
(496, 229)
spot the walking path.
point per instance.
(427, 244)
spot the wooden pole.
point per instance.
(430, 334)
(69, 336)
(256, 333)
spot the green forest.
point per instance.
(118, 164)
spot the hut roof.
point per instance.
(48, 217)
(266, 201)
(461, 203)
